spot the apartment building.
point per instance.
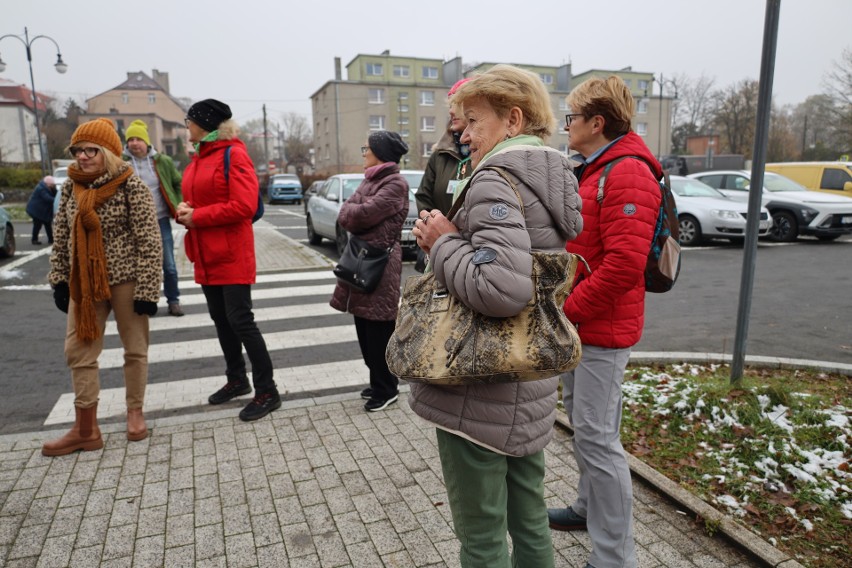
(408, 95)
(147, 98)
(18, 133)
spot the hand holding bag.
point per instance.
(439, 340)
(361, 265)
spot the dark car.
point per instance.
(312, 190)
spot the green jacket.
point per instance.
(443, 167)
(169, 177)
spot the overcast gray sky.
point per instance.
(250, 52)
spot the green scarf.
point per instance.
(520, 140)
(211, 137)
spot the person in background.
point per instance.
(40, 208)
(375, 213)
(106, 258)
(159, 173)
(608, 307)
(217, 210)
(448, 164)
(491, 437)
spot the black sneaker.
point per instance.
(376, 404)
(367, 393)
(262, 405)
(231, 390)
(566, 520)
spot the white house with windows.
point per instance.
(18, 133)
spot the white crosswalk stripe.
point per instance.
(185, 392)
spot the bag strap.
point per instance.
(227, 163)
(459, 202)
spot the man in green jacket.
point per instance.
(159, 173)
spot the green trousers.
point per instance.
(490, 493)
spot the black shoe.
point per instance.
(566, 520)
(36, 242)
(367, 393)
(376, 404)
(262, 405)
(231, 390)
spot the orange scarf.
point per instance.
(89, 282)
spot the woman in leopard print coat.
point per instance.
(106, 256)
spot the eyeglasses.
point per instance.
(186, 122)
(90, 151)
(570, 116)
(364, 150)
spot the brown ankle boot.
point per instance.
(136, 428)
(84, 435)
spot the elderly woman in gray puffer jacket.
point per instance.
(491, 437)
(375, 213)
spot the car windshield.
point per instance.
(694, 188)
(413, 179)
(775, 182)
(349, 187)
(60, 172)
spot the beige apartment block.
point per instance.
(146, 98)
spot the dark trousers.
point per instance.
(373, 337)
(48, 228)
(230, 308)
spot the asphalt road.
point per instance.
(801, 308)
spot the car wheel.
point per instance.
(826, 238)
(8, 248)
(313, 237)
(342, 239)
(690, 231)
(784, 229)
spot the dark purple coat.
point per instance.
(375, 213)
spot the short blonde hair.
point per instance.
(609, 98)
(505, 87)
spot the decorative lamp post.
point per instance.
(662, 83)
(61, 67)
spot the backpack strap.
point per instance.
(227, 163)
(609, 166)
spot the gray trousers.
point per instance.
(592, 396)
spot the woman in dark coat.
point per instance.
(375, 213)
(40, 208)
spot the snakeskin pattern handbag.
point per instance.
(439, 340)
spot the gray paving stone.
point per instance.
(30, 478)
(214, 562)
(125, 512)
(384, 537)
(149, 552)
(85, 557)
(42, 511)
(266, 529)
(236, 519)
(449, 551)
(18, 502)
(179, 556)
(157, 472)
(230, 470)
(130, 486)
(106, 478)
(298, 541)
(273, 556)
(56, 552)
(208, 511)
(205, 465)
(309, 492)
(66, 521)
(119, 542)
(240, 550)
(134, 465)
(209, 542)
(181, 501)
(152, 521)
(30, 562)
(155, 494)
(401, 559)
(260, 501)
(206, 486)
(180, 530)
(351, 528)
(76, 493)
(289, 510)
(420, 547)
(331, 550)
(310, 561)
(93, 531)
(180, 478)
(9, 527)
(435, 525)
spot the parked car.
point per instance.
(59, 176)
(703, 212)
(285, 188)
(407, 240)
(795, 210)
(312, 190)
(830, 177)
(321, 217)
(7, 232)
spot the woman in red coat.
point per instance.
(375, 213)
(217, 210)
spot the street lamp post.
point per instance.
(61, 67)
(662, 82)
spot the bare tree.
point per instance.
(814, 126)
(781, 144)
(838, 85)
(297, 139)
(735, 116)
(692, 109)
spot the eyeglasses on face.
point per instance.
(364, 150)
(90, 151)
(570, 116)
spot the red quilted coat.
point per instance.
(221, 244)
(608, 305)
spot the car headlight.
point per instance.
(722, 214)
(809, 214)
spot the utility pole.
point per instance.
(265, 140)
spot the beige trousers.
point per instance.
(82, 357)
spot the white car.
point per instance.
(703, 212)
(795, 210)
(59, 176)
(323, 208)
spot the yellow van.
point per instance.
(830, 177)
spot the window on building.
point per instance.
(427, 149)
(563, 104)
(430, 72)
(427, 98)
(642, 84)
(170, 150)
(546, 78)
(427, 124)
(326, 125)
(642, 106)
(375, 69)
(642, 128)
(403, 95)
(377, 122)
(152, 98)
(125, 98)
(403, 120)
(327, 152)
(628, 82)
(401, 71)
(404, 132)
(563, 148)
(376, 96)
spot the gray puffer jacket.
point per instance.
(511, 418)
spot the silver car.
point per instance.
(704, 212)
(7, 233)
(323, 208)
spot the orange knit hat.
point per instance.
(99, 131)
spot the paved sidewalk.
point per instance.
(319, 483)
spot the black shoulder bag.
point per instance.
(361, 265)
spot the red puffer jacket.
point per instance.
(221, 244)
(608, 305)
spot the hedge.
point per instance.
(19, 178)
